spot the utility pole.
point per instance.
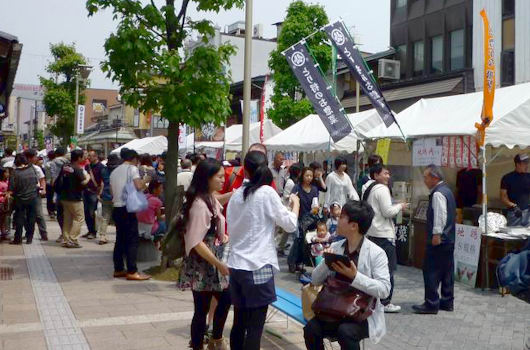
(247, 78)
(18, 121)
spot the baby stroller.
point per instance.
(300, 251)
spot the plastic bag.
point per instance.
(135, 201)
(99, 209)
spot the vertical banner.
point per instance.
(383, 149)
(489, 79)
(183, 136)
(253, 110)
(467, 251)
(263, 107)
(80, 119)
(318, 91)
(341, 39)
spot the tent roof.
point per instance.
(152, 145)
(457, 115)
(310, 134)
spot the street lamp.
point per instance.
(83, 70)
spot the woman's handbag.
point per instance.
(135, 201)
(309, 294)
(338, 300)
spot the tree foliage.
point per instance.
(302, 20)
(59, 89)
(147, 57)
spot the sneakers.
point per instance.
(86, 235)
(91, 236)
(217, 344)
(71, 245)
(60, 239)
(392, 309)
(103, 241)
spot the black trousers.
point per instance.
(60, 214)
(348, 333)
(438, 268)
(25, 217)
(248, 328)
(127, 239)
(90, 201)
(391, 254)
(50, 205)
(201, 303)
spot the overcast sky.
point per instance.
(37, 23)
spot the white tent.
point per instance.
(152, 145)
(310, 134)
(457, 115)
(234, 136)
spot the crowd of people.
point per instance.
(238, 218)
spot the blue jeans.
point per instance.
(523, 220)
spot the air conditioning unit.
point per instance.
(257, 31)
(389, 69)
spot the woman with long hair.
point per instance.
(252, 215)
(307, 192)
(204, 271)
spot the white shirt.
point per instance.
(279, 177)
(287, 189)
(381, 202)
(119, 178)
(184, 178)
(339, 190)
(372, 278)
(251, 225)
(439, 206)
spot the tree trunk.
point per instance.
(170, 189)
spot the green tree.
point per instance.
(147, 57)
(302, 20)
(59, 89)
(39, 136)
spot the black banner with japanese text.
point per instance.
(318, 91)
(341, 39)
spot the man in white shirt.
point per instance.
(279, 173)
(382, 231)
(127, 237)
(438, 265)
(31, 156)
(185, 175)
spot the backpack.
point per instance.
(59, 181)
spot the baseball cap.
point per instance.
(521, 158)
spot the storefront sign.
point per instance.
(318, 91)
(427, 151)
(341, 39)
(467, 251)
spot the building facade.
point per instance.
(510, 23)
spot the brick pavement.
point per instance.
(117, 314)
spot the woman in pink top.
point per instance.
(152, 217)
(4, 204)
(203, 270)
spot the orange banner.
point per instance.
(489, 79)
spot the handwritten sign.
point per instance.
(427, 151)
(467, 251)
(382, 149)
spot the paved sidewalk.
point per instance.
(67, 299)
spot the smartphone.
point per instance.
(330, 258)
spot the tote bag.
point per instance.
(135, 201)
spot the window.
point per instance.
(402, 56)
(136, 118)
(508, 8)
(418, 57)
(401, 3)
(457, 50)
(159, 122)
(508, 43)
(437, 54)
(508, 34)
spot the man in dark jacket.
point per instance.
(438, 266)
(71, 181)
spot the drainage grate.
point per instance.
(6, 273)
